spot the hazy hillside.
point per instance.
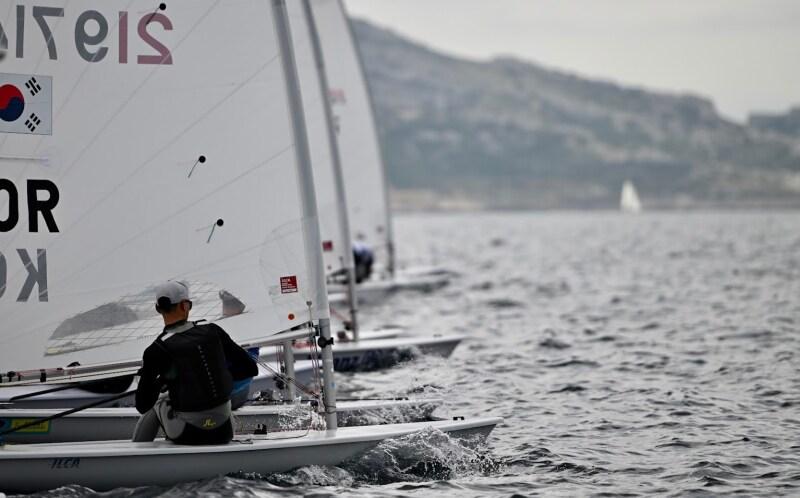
(510, 134)
(787, 124)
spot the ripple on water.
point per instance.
(569, 388)
(504, 303)
(574, 362)
(553, 343)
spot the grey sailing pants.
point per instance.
(173, 424)
(157, 418)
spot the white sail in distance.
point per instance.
(362, 161)
(172, 155)
(629, 200)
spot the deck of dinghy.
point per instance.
(113, 464)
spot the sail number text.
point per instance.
(91, 33)
(42, 199)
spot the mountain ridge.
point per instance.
(511, 134)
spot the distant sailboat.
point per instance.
(363, 169)
(629, 200)
(362, 350)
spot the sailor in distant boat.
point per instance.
(187, 376)
(363, 259)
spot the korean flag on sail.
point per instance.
(26, 104)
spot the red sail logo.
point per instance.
(289, 284)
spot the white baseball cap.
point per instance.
(174, 291)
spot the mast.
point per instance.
(390, 267)
(341, 197)
(309, 206)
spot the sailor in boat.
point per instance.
(187, 376)
(363, 259)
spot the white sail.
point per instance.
(629, 200)
(170, 145)
(362, 161)
(335, 248)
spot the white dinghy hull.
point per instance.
(73, 398)
(103, 424)
(68, 398)
(367, 355)
(112, 464)
(377, 290)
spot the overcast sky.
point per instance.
(743, 54)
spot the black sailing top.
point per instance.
(197, 363)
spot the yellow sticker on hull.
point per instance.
(40, 428)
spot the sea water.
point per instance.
(651, 354)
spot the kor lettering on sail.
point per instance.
(42, 198)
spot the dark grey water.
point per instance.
(630, 355)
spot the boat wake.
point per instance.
(423, 456)
(311, 476)
(426, 455)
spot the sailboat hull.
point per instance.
(72, 398)
(101, 424)
(365, 355)
(112, 464)
(374, 291)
